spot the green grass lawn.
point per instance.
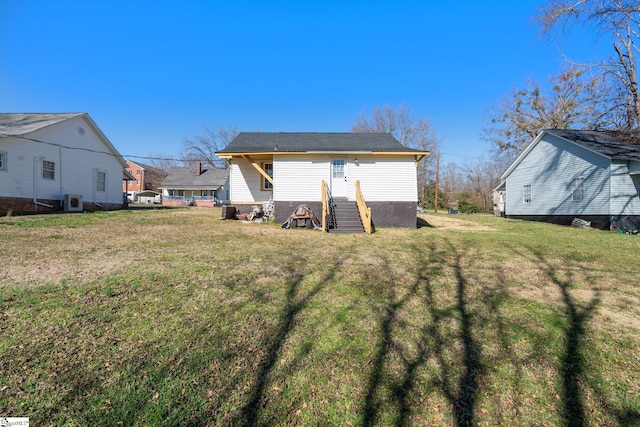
(173, 317)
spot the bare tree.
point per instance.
(618, 20)
(481, 177)
(412, 132)
(570, 100)
(203, 147)
(451, 178)
(164, 162)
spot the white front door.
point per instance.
(339, 177)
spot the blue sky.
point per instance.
(151, 73)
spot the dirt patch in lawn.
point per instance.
(451, 223)
(612, 304)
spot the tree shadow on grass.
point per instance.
(464, 396)
(572, 369)
(431, 343)
(273, 342)
(385, 344)
(572, 362)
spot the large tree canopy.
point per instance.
(569, 100)
(618, 22)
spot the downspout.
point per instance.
(36, 203)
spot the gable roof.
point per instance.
(186, 178)
(13, 124)
(310, 142)
(604, 143)
(19, 124)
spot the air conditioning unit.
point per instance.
(73, 203)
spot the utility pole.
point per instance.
(437, 176)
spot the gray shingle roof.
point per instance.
(186, 178)
(603, 142)
(22, 123)
(252, 142)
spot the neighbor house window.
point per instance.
(577, 190)
(101, 181)
(3, 161)
(203, 193)
(268, 168)
(48, 170)
(526, 195)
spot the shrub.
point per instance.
(468, 208)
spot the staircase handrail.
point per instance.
(326, 202)
(365, 212)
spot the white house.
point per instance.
(196, 186)
(564, 174)
(291, 168)
(50, 162)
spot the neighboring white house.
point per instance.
(290, 168)
(564, 174)
(50, 162)
(208, 186)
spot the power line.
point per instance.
(133, 156)
(68, 147)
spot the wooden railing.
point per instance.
(326, 200)
(365, 212)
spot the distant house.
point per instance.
(290, 168)
(50, 162)
(196, 186)
(564, 174)
(145, 187)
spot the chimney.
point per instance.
(198, 168)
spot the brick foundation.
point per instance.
(22, 206)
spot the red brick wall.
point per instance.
(20, 205)
(133, 169)
(26, 206)
(181, 203)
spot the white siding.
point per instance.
(300, 178)
(384, 179)
(624, 190)
(550, 168)
(76, 157)
(244, 183)
(381, 178)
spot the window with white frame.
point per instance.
(268, 168)
(101, 181)
(3, 161)
(577, 189)
(48, 169)
(526, 193)
(203, 193)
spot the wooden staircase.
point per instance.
(346, 218)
